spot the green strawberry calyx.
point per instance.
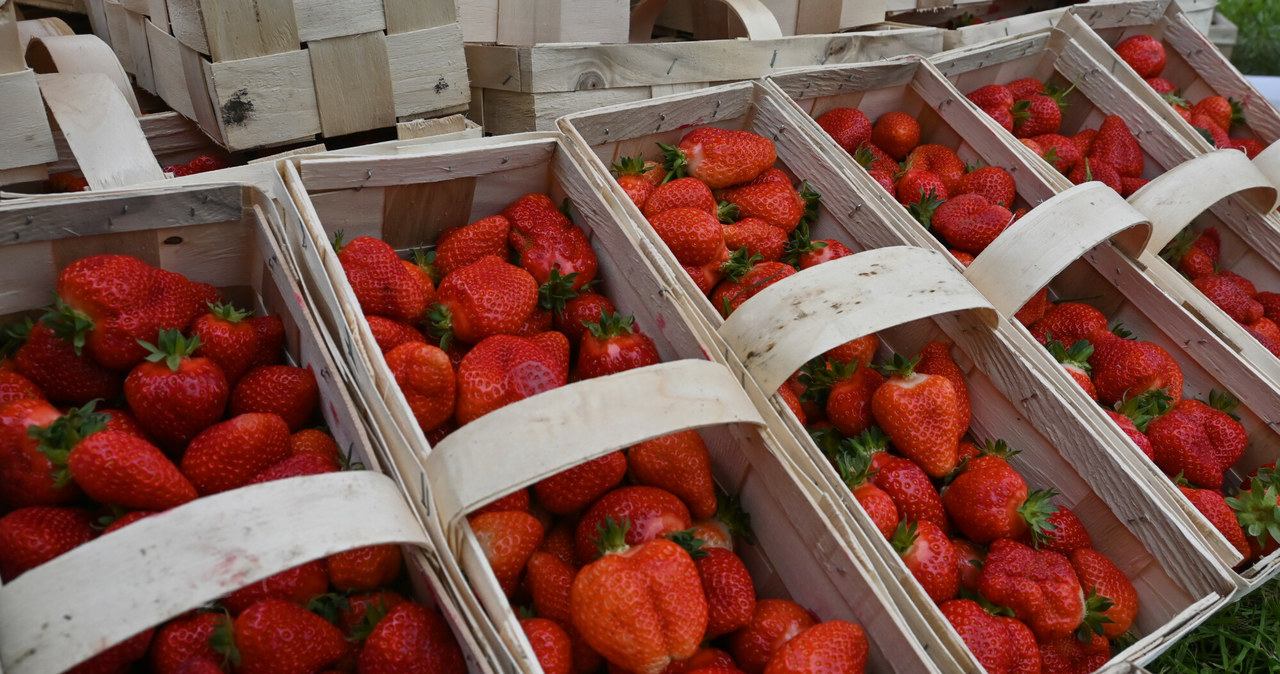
(1021, 112)
(674, 161)
(812, 201)
(338, 242)
(426, 260)
(869, 441)
(854, 467)
(60, 437)
(818, 376)
(1143, 408)
(612, 536)
(688, 540)
(610, 325)
(629, 166)
(1180, 246)
(228, 312)
(828, 440)
(800, 243)
(440, 324)
(1223, 402)
(924, 209)
(171, 348)
(998, 449)
(1036, 511)
(727, 213)
(372, 616)
(329, 606)
(15, 335)
(904, 537)
(730, 513)
(899, 366)
(223, 640)
(1258, 511)
(555, 294)
(739, 263)
(1077, 356)
(1095, 608)
(68, 323)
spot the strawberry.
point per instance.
(848, 127)
(297, 466)
(1044, 115)
(14, 387)
(389, 334)
(983, 634)
(459, 247)
(1035, 307)
(792, 401)
(774, 623)
(726, 584)
(182, 639)
(855, 471)
(1083, 140)
(1213, 505)
(1064, 533)
(904, 481)
(941, 161)
(778, 204)
(875, 160)
(1127, 368)
(556, 253)
(577, 312)
(1229, 297)
(1256, 511)
(25, 470)
(1076, 362)
(229, 454)
(1022, 644)
(504, 369)
(682, 193)
(1224, 112)
(640, 606)
(920, 415)
(611, 345)
(1025, 88)
(175, 395)
(757, 237)
(298, 586)
(629, 172)
(508, 539)
(1039, 586)
(990, 500)
(897, 133)
(720, 157)
(550, 644)
(848, 396)
(745, 278)
(970, 222)
(1103, 582)
(1143, 53)
(991, 96)
(651, 513)
(695, 237)
(1069, 655)
(516, 500)
(680, 464)
(279, 637)
(1161, 85)
(55, 367)
(487, 297)
(549, 580)
(1214, 134)
(803, 252)
(928, 555)
(1115, 145)
(120, 469)
(206, 162)
(1198, 440)
(1006, 117)
(363, 569)
(411, 639)
(1251, 147)
(284, 390)
(118, 658)
(107, 304)
(969, 556)
(773, 174)
(382, 285)
(32, 536)
(576, 488)
(1267, 333)
(226, 339)
(427, 381)
(992, 182)
(270, 331)
(835, 645)
(1090, 169)
(1130, 185)
(1069, 323)
(535, 214)
(1059, 151)
(917, 185)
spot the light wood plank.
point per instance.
(40, 28)
(186, 21)
(479, 19)
(428, 70)
(158, 13)
(353, 85)
(265, 101)
(240, 29)
(170, 76)
(323, 19)
(71, 54)
(27, 139)
(404, 16)
(143, 73)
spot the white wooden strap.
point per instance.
(1174, 199)
(756, 17)
(1033, 250)
(535, 438)
(60, 613)
(825, 306)
(1268, 161)
(46, 27)
(10, 42)
(80, 54)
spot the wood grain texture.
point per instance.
(323, 19)
(403, 16)
(269, 100)
(27, 139)
(143, 72)
(40, 28)
(101, 129)
(353, 86)
(167, 70)
(428, 70)
(186, 22)
(11, 45)
(240, 29)
(73, 54)
(158, 13)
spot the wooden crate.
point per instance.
(521, 22)
(714, 20)
(27, 143)
(389, 197)
(272, 74)
(910, 296)
(1152, 299)
(528, 88)
(61, 613)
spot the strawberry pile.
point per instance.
(70, 182)
(1032, 111)
(1196, 256)
(198, 401)
(1194, 442)
(732, 219)
(1214, 116)
(1014, 574)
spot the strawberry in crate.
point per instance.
(140, 390)
(1015, 574)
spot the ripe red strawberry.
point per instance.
(897, 133)
(1214, 134)
(919, 414)
(459, 247)
(14, 387)
(550, 644)
(970, 222)
(720, 157)
(53, 365)
(985, 636)
(175, 395)
(629, 172)
(182, 639)
(1125, 368)
(284, 390)
(1044, 115)
(226, 339)
(1076, 362)
(534, 214)
(1069, 655)
(904, 481)
(803, 252)
(1025, 87)
(1245, 284)
(576, 488)
(773, 174)
(315, 442)
(1065, 154)
(1270, 304)
(1040, 587)
(916, 185)
(120, 469)
(1116, 146)
(1100, 578)
(25, 471)
(411, 639)
(1130, 185)
(651, 512)
(848, 127)
(774, 623)
(1035, 307)
(382, 285)
(1063, 534)
(928, 555)
(848, 394)
(992, 182)
(611, 345)
(695, 237)
(640, 606)
(1005, 117)
(1198, 440)
(778, 204)
(363, 569)
(837, 644)
(1090, 169)
(508, 539)
(556, 253)
(1143, 53)
(297, 466)
(504, 369)
(1229, 297)
(516, 500)
(681, 193)
(1069, 323)
(935, 358)
(941, 161)
(990, 501)
(1022, 642)
(1083, 140)
(875, 160)
(1267, 333)
(1161, 85)
(279, 637)
(855, 470)
(1224, 112)
(744, 279)
(1212, 504)
(270, 339)
(485, 298)
(969, 556)
(229, 454)
(32, 536)
(757, 237)
(389, 334)
(548, 579)
(678, 463)
(726, 584)
(579, 310)
(297, 585)
(1251, 147)
(118, 658)
(991, 96)
(427, 381)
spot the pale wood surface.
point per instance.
(530, 22)
(136, 36)
(427, 69)
(352, 83)
(186, 22)
(27, 139)
(76, 54)
(170, 76)
(238, 29)
(269, 100)
(158, 13)
(321, 19)
(101, 129)
(118, 26)
(754, 15)
(1268, 161)
(39, 28)
(11, 44)
(407, 15)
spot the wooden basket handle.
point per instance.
(46, 27)
(523, 443)
(80, 54)
(1036, 248)
(825, 306)
(165, 565)
(1268, 161)
(759, 21)
(1174, 199)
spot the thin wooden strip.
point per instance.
(27, 139)
(263, 101)
(167, 564)
(239, 29)
(352, 83)
(49, 219)
(1183, 192)
(40, 28)
(324, 19)
(1036, 248)
(11, 44)
(754, 15)
(168, 71)
(1268, 161)
(143, 74)
(825, 306)
(323, 174)
(76, 54)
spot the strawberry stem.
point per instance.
(628, 166)
(68, 323)
(904, 537)
(899, 366)
(1035, 512)
(612, 535)
(674, 161)
(1258, 512)
(60, 437)
(557, 291)
(1076, 356)
(689, 541)
(610, 325)
(440, 324)
(730, 513)
(173, 347)
(227, 312)
(1094, 608)
(1143, 408)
